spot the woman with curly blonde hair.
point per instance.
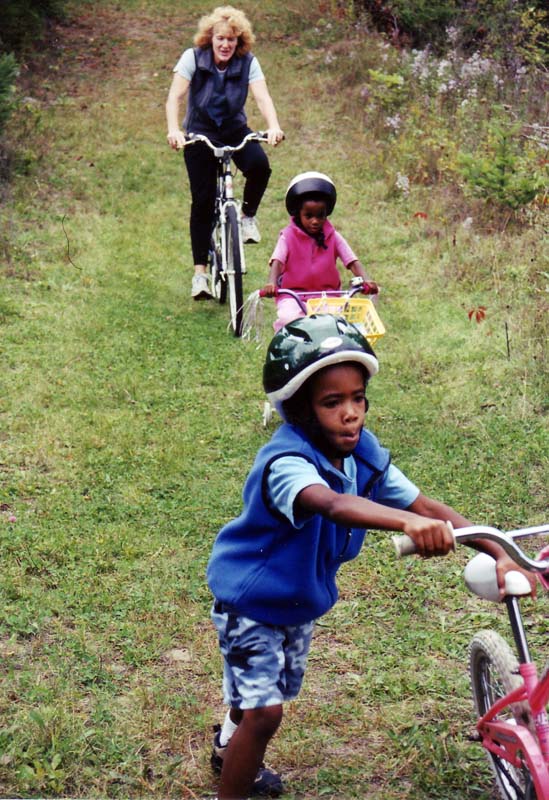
(235, 19)
(215, 77)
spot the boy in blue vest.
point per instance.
(313, 490)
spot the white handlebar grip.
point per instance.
(404, 545)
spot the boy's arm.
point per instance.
(428, 507)
(432, 536)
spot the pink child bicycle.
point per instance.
(510, 699)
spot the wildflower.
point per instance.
(393, 122)
(402, 183)
(453, 35)
(467, 223)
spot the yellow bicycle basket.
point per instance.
(358, 310)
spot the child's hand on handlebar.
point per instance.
(432, 537)
(504, 564)
(269, 290)
(368, 287)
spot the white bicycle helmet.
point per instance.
(313, 183)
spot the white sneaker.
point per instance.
(200, 286)
(250, 231)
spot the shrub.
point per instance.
(500, 172)
(23, 21)
(8, 74)
(512, 30)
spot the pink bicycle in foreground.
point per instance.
(510, 699)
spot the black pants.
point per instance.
(201, 165)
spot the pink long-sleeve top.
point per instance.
(307, 266)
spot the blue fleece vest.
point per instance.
(203, 86)
(263, 567)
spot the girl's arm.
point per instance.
(274, 274)
(358, 270)
(266, 107)
(431, 535)
(347, 255)
(176, 95)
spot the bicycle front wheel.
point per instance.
(217, 277)
(494, 673)
(234, 269)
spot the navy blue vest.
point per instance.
(270, 571)
(202, 90)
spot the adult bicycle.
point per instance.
(510, 697)
(226, 263)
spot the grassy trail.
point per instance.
(129, 418)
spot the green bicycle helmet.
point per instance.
(314, 183)
(307, 345)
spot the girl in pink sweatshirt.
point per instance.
(305, 255)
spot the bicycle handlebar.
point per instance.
(364, 288)
(405, 546)
(225, 149)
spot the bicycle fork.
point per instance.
(229, 199)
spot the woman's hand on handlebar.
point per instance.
(176, 139)
(274, 136)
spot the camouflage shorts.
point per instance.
(263, 665)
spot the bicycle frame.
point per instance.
(515, 743)
(513, 740)
(226, 259)
(224, 198)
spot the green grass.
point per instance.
(129, 418)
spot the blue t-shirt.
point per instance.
(186, 67)
(289, 475)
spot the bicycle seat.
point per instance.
(480, 578)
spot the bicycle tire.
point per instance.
(234, 270)
(215, 263)
(493, 669)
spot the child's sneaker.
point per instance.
(267, 782)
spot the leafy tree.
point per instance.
(513, 30)
(23, 22)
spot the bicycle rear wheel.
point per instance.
(218, 282)
(234, 270)
(493, 671)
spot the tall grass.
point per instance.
(130, 416)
